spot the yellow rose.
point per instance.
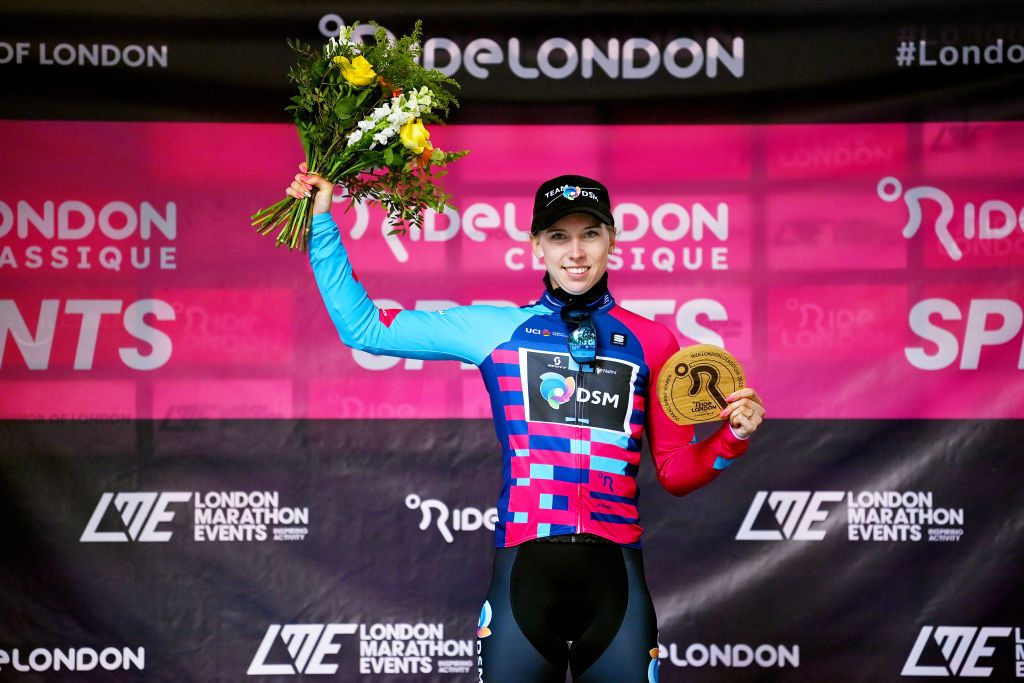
(415, 136)
(358, 71)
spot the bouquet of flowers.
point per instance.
(360, 112)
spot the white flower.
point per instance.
(382, 137)
(345, 39)
(396, 126)
(365, 125)
(419, 101)
(397, 116)
(342, 44)
(354, 137)
(381, 112)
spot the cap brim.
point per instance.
(567, 210)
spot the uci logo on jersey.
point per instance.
(543, 332)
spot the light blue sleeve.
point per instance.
(465, 333)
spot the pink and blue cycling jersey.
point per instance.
(570, 440)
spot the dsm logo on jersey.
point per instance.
(553, 392)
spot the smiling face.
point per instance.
(575, 251)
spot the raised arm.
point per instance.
(466, 333)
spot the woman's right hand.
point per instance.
(303, 186)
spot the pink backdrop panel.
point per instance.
(132, 284)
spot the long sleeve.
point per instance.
(682, 463)
(465, 333)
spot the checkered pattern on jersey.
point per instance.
(564, 478)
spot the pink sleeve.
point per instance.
(681, 464)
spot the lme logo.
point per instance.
(795, 512)
(307, 644)
(141, 512)
(961, 647)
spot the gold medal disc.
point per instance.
(694, 382)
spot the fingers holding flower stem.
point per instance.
(312, 186)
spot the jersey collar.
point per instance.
(597, 298)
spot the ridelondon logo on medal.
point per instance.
(694, 382)
(394, 648)
(881, 516)
(230, 516)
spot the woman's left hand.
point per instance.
(744, 412)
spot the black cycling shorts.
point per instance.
(584, 606)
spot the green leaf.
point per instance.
(344, 107)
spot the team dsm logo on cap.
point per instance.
(572, 192)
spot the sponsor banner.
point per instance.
(525, 63)
(870, 516)
(146, 516)
(394, 648)
(120, 523)
(823, 269)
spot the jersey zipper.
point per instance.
(579, 448)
